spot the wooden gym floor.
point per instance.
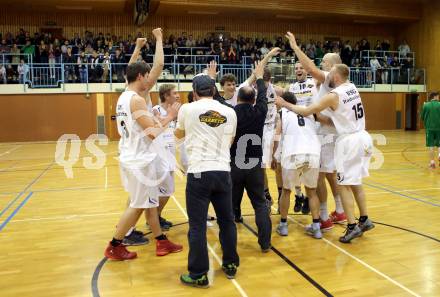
(53, 231)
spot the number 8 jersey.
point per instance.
(298, 134)
(349, 117)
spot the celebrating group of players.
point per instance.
(314, 131)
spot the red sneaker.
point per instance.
(164, 247)
(326, 225)
(338, 218)
(119, 253)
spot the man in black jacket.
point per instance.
(246, 154)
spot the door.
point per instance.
(411, 111)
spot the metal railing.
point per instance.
(8, 58)
(55, 75)
(367, 55)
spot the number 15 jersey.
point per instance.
(349, 117)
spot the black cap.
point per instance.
(202, 82)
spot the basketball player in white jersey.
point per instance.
(353, 146)
(327, 134)
(299, 162)
(134, 237)
(138, 159)
(305, 90)
(168, 95)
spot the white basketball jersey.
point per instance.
(271, 107)
(305, 92)
(168, 138)
(349, 117)
(135, 148)
(298, 134)
(324, 89)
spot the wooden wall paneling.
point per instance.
(47, 117)
(380, 110)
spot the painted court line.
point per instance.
(10, 151)
(403, 195)
(363, 263)
(3, 225)
(401, 191)
(216, 257)
(25, 189)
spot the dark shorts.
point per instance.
(432, 138)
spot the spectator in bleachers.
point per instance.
(15, 51)
(395, 65)
(69, 68)
(23, 70)
(404, 49)
(232, 55)
(82, 67)
(346, 53)
(386, 45)
(119, 60)
(52, 61)
(190, 42)
(3, 76)
(105, 66)
(5, 49)
(376, 67)
(43, 53)
(378, 47)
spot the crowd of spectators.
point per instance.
(89, 57)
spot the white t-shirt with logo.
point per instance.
(209, 130)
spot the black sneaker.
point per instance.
(238, 219)
(298, 203)
(230, 270)
(305, 207)
(201, 282)
(135, 238)
(266, 249)
(164, 224)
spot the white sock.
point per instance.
(316, 226)
(298, 192)
(283, 223)
(432, 162)
(129, 231)
(323, 212)
(338, 204)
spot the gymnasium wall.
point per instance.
(424, 38)
(47, 117)
(122, 25)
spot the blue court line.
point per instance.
(403, 195)
(25, 189)
(3, 225)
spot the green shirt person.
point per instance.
(431, 119)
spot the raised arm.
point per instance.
(159, 60)
(261, 102)
(308, 64)
(273, 52)
(140, 43)
(330, 100)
